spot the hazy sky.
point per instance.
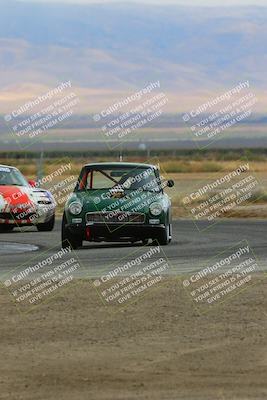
(162, 2)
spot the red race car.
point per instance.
(22, 204)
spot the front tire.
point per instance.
(164, 237)
(6, 228)
(47, 226)
(67, 238)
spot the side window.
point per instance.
(89, 176)
(84, 180)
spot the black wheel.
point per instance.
(47, 226)
(6, 228)
(67, 238)
(170, 233)
(164, 237)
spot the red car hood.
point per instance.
(13, 196)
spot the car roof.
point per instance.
(7, 166)
(121, 164)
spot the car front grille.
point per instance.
(116, 217)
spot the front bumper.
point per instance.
(113, 232)
(27, 217)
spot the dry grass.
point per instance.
(180, 166)
(29, 167)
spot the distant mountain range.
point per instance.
(110, 50)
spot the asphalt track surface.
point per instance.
(190, 249)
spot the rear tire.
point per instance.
(67, 238)
(47, 226)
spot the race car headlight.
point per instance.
(155, 209)
(75, 208)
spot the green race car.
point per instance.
(118, 202)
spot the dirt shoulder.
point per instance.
(158, 348)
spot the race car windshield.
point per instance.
(11, 177)
(121, 179)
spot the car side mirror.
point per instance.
(32, 183)
(170, 183)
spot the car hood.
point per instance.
(13, 196)
(131, 201)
